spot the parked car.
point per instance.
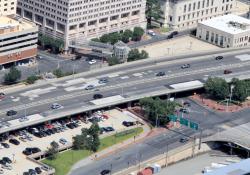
(127, 123)
(219, 58)
(90, 87)
(186, 103)
(151, 32)
(32, 172)
(174, 33)
(14, 141)
(109, 129)
(45, 168)
(56, 106)
(6, 159)
(184, 139)
(7, 167)
(2, 162)
(23, 119)
(38, 170)
(184, 66)
(159, 74)
(184, 110)
(5, 145)
(2, 95)
(27, 152)
(97, 96)
(63, 141)
(227, 71)
(35, 150)
(11, 112)
(103, 81)
(105, 172)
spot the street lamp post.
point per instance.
(166, 161)
(231, 91)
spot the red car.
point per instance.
(227, 71)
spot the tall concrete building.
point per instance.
(184, 14)
(83, 19)
(7, 7)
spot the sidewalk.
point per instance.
(115, 148)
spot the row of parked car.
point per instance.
(37, 170)
(5, 163)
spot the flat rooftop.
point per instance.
(11, 25)
(232, 24)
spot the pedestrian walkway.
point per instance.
(115, 148)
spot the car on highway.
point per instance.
(92, 62)
(90, 87)
(2, 95)
(184, 66)
(14, 141)
(97, 96)
(219, 58)
(23, 119)
(11, 112)
(159, 74)
(105, 172)
(184, 110)
(184, 139)
(227, 71)
(103, 81)
(56, 106)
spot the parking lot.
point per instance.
(20, 164)
(177, 46)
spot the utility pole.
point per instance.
(200, 139)
(166, 161)
(193, 147)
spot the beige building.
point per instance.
(18, 40)
(225, 31)
(83, 19)
(184, 14)
(7, 7)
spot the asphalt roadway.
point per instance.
(211, 123)
(126, 81)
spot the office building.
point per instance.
(18, 40)
(7, 7)
(83, 19)
(225, 31)
(184, 14)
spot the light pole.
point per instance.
(231, 91)
(166, 161)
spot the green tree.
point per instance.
(13, 75)
(58, 73)
(126, 35)
(104, 38)
(135, 54)
(153, 11)
(239, 90)
(113, 60)
(144, 54)
(157, 108)
(51, 153)
(217, 88)
(32, 79)
(54, 145)
(79, 142)
(95, 39)
(137, 33)
(114, 37)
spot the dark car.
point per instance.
(186, 103)
(184, 110)
(127, 124)
(159, 74)
(6, 159)
(90, 87)
(70, 126)
(2, 162)
(35, 150)
(219, 57)
(103, 81)
(32, 172)
(184, 66)
(227, 71)
(14, 141)
(27, 152)
(25, 173)
(5, 145)
(184, 140)
(38, 170)
(38, 134)
(109, 129)
(174, 33)
(97, 96)
(11, 112)
(105, 172)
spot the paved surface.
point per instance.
(124, 81)
(178, 46)
(211, 123)
(196, 165)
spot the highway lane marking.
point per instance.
(137, 74)
(244, 57)
(126, 84)
(36, 92)
(125, 77)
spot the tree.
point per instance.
(113, 60)
(137, 33)
(78, 142)
(239, 90)
(104, 38)
(54, 145)
(51, 153)
(32, 79)
(127, 34)
(114, 37)
(157, 108)
(153, 11)
(58, 73)
(95, 39)
(13, 75)
(217, 88)
(135, 54)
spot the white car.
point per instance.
(151, 32)
(63, 141)
(56, 106)
(92, 62)
(7, 167)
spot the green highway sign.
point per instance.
(194, 125)
(172, 118)
(184, 121)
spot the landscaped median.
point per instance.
(65, 160)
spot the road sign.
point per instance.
(184, 121)
(194, 125)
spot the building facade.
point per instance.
(83, 19)
(225, 31)
(18, 40)
(184, 14)
(121, 51)
(7, 7)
